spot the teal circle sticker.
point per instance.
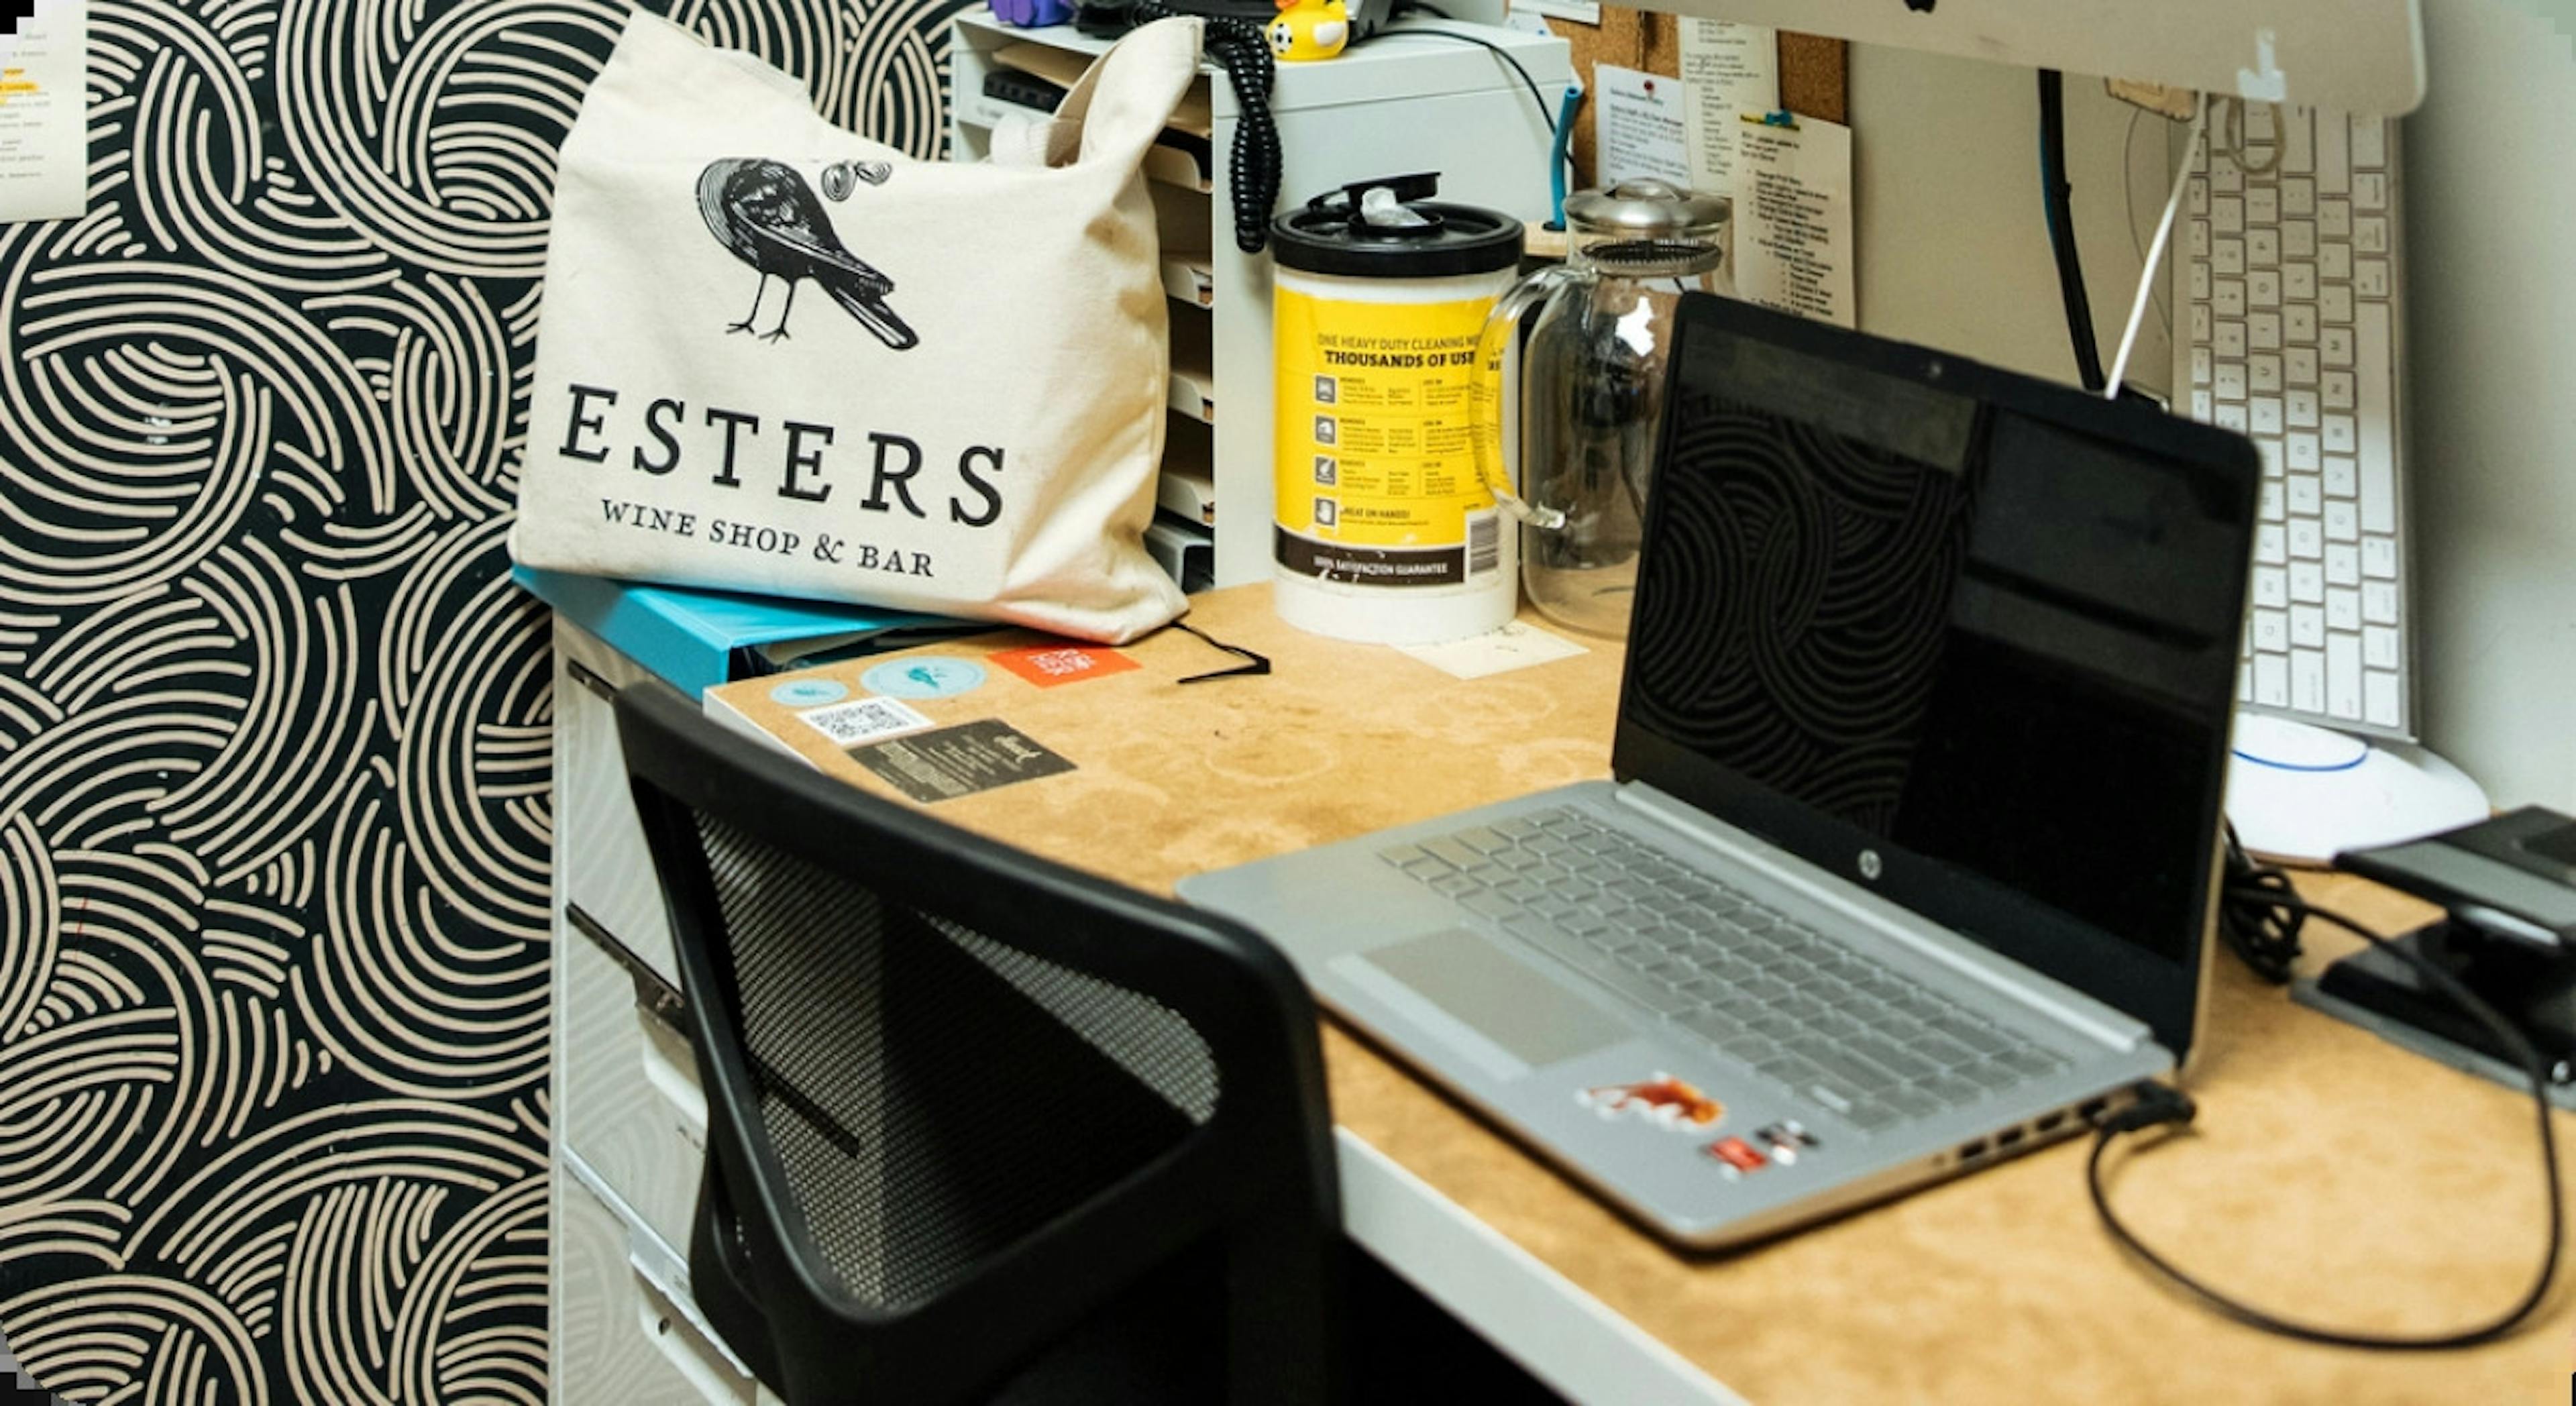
(934, 677)
(809, 693)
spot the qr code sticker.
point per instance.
(864, 720)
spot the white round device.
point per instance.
(2303, 794)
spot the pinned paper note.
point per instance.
(1643, 125)
(1731, 69)
(1793, 217)
(44, 119)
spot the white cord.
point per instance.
(2156, 252)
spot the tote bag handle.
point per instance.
(1123, 101)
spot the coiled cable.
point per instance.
(1243, 50)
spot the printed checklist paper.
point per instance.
(1793, 217)
(44, 124)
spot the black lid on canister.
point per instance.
(1404, 234)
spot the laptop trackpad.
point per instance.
(1502, 1001)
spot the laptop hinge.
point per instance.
(1952, 951)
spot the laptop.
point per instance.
(1911, 862)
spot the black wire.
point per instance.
(2160, 1105)
(2058, 200)
(2253, 916)
(1546, 114)
(1254, 164)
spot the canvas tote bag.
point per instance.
(777, 357)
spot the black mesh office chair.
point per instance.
(980, 1128)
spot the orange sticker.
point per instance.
(1049, 666)
(1663, 1100)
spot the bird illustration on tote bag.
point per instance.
(772, 220)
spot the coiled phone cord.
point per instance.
(1243, 50)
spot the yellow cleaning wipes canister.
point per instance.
(1385, 533)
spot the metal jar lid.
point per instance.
(1392, 229)
(1649, 209)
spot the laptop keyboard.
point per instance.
(1802, 1009)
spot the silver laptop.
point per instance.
(1912, 860)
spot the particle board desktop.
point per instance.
(2330, 1173)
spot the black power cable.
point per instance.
(1546, 115)
(2058, 197)
(2160, 1106)
(2258, 914)
(1254, 164)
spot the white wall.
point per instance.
(2491, 213)
(1953, 242)
(1953, 253)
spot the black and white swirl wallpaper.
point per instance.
(274, 753)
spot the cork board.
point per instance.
(1813, 70)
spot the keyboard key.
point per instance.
(2226, 260)
(2308, 626)
(2305, 496)
(2272, 681)
(2343, 524)
(2308, 680)
(2030, 1060)
(2272, 586)
(2272, 544)
(2299, 239)
(2299, 363)
(2379, 602)
(2370, 192)
(2343, 568)
(2379, 647)
(2307, 582)
(2263, 331)
(2370, 278)
(2300, 409)
(2343, 676)
(2379, 558)
(2298, 198)
(2307, 540)
(2380, 706)
(1990, 1076)
(2337, 346)
(2304, 452)
(2369, 148)
(2334, 158)
(2378, 418)
(2263, 248)
(2334, 221)
(2342, 434)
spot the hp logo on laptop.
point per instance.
(1870, 867)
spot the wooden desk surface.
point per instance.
(2329, 1173)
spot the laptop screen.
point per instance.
(1963, 637)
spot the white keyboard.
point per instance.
(2290, 270)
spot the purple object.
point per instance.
(1032, 14)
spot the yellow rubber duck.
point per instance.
(1307, 30)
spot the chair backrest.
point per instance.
(960, 1098)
